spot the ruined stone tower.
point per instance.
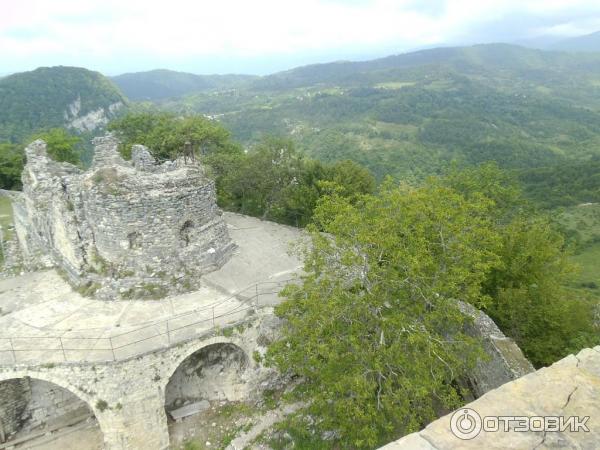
(120, 229)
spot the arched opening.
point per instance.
(39, 414)
(185, 233)
(206, 380)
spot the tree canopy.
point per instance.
(166, 134)
(373, 332)
(61, 145)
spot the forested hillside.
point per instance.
(160, 84)
(52, 97)
(410, 115)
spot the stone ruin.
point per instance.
(120, 229)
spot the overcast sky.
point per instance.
(263, 36)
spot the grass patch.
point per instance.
(582, 223)
(395, 84)
(588, 277)
(6, 217)
(582, 227)
(295, 432)
(101, 405)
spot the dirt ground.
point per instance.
(214, 428)
(83, 436)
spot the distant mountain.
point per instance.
(587, 43)
(60, 96)
(160, 84)
(490, 59)
(409, 115)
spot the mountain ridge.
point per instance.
(159, 84)
(59, 96)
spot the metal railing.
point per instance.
(176, 329)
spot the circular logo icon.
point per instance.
(465, 424)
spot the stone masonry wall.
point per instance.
(14, 397)
(26, 404)
(120, 229)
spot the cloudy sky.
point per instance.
(263, 36)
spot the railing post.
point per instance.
(168, 333)
(12, 347)
(112, 348)
(63, 349)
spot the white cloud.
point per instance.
(177, 30)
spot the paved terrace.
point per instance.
(43, 321)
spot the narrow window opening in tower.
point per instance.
(186, 231)
(134, 240)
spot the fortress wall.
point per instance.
(162, 220)
(119, 230)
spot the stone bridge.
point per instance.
(128, 397)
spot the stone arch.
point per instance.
(212, 372)
(27, 409)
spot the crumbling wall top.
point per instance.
(141, 158)
(106, 152)
(36, 150)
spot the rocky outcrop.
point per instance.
(92, 120)
(504, 360)
(117, 229)
(569, 388)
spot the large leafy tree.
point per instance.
(527, 293)
(61, 145)
(530, 298)
(373, 330)
(275, 182)
(166, 134)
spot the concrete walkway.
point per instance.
(44, 321)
